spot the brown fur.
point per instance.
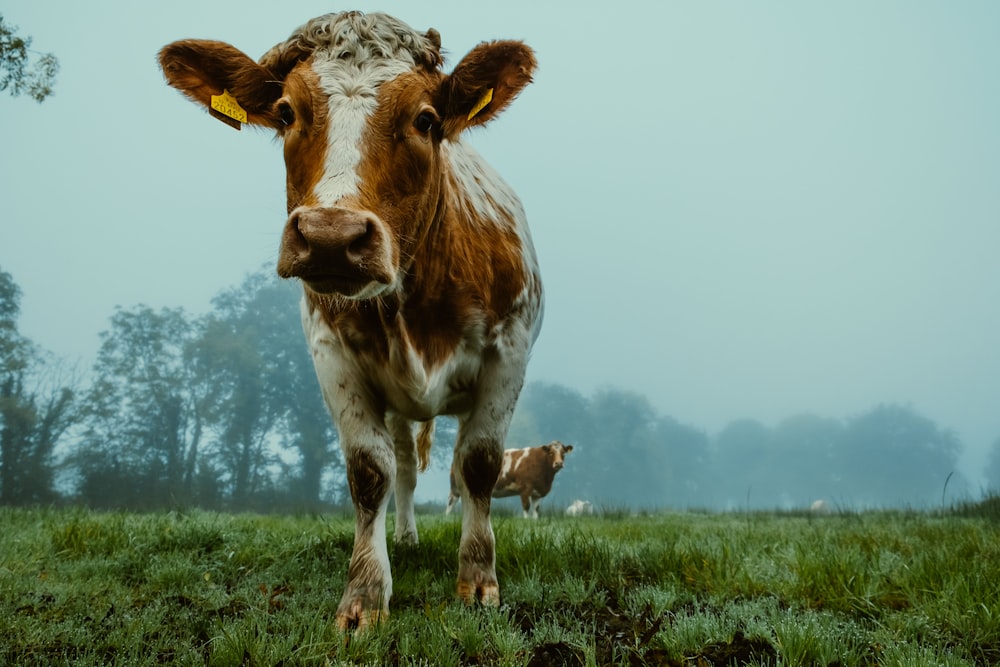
(202, 68)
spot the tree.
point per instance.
(740, 462)
(34, 422)
(557, 413)
(143, 415)
(804, 450)
(17, 73)
(264, 395)
(892, 454)
(620, 461)
(686, 481)
(35, 409)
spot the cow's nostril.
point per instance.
(335, 249)
(362, 244)
(294, 227)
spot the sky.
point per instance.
(742, 209)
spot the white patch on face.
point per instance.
(352, 94)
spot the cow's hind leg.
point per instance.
(406, 478)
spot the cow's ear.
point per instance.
(484, 83)
(243, 90)
(567, 448)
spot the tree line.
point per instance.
(219, 411)
(223, 411)
(627, 454)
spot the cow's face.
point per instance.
(363, 110)
(557, 452)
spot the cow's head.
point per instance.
(557, 452)
(363, 108)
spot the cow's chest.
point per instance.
(393, 363)
(420, 388)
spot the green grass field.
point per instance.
(877, 588)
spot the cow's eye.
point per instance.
(285, 113)
(424, 122)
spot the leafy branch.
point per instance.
(17, 71)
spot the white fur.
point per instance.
(820, 507)
(485, 190)
(352, 92)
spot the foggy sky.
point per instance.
(741, 209)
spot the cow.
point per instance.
(580, 508)
(526, 472)
(421, 288)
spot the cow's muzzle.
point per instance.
(337, 251)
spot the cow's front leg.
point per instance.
(535, 502)
(477, 464)
(406, 478)
(370, 474)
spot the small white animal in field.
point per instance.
(820, 507)
(580, 508)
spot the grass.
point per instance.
(198, 588)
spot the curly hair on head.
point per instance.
(355, 36)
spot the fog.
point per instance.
(743, 212)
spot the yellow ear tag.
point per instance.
(481, 104)
(228, 110)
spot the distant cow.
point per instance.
(422, 295)
(580, 508)
(526, 472)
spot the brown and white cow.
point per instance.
(422, 294)
(526, 472)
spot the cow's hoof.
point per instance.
(406, 537)
(486, 594)
(358, 619)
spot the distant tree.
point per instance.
(687, 481)
(35, 420)
(36, 405)
(891, 455)
(143, 414)
(740, 462)
(17, 73)
(307, 427)
(803, 453)
(620, 460)
(557, 412)
(265, 395)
